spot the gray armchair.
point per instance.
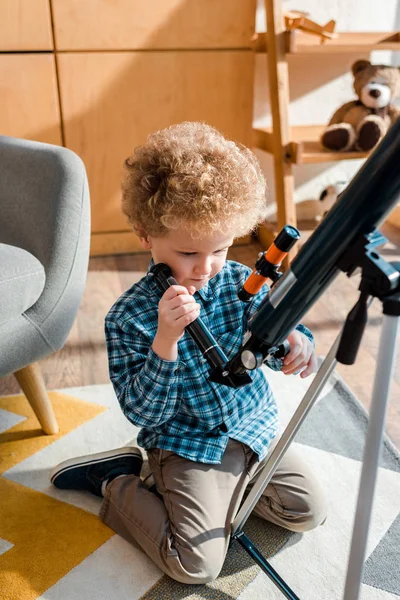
(44, 252)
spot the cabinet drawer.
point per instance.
(29, 106)
(153, 24)
(25, 25)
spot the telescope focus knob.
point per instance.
(251, 360)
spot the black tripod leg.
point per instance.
(264, 565)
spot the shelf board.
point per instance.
(304, 43)
(300, 42)
(304, 146)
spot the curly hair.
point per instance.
(189, 176)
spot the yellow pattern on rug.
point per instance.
(27, 438)
(47, 538)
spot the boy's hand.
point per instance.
(301, 355)
(176, 309)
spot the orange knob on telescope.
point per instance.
(266, 267)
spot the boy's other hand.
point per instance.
(176, 310)
(301, 357)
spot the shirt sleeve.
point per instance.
(147, 387)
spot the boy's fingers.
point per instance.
(312, 367)
(180, 300)
(292, 371)
(174, 290)
(185, 309)
(314, 363)
(303, 360)
(306, 372)
(189, 317)
(294, 366)
(295, 350)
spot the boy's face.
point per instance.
(193, 261)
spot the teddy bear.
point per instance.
(361, 124)
(316, 209)
(328, 197)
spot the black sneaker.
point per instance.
(87, 473)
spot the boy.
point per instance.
(188, 193)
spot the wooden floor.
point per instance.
(83, 360)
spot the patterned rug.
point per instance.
(53, 547)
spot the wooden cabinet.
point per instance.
(29, 102)
(118, 71)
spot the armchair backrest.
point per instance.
(44, 209)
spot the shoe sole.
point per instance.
(85, 461)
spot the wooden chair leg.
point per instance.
(32, 384)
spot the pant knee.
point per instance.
(193, 578)
(197, 571)
(313, 515)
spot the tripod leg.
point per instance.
(287, 436)
(373, 444)
(265, 566)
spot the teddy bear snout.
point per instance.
(376, 95)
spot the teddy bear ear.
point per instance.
(359, 66)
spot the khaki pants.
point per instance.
(187, 532)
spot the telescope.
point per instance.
(346, 241)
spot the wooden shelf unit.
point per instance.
(304, 147)
(299, 42)
(299, 145)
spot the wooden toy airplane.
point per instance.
(296, 19)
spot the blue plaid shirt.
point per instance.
(173, 402)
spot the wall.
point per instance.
(318, 85)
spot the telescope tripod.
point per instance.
(382, 280)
